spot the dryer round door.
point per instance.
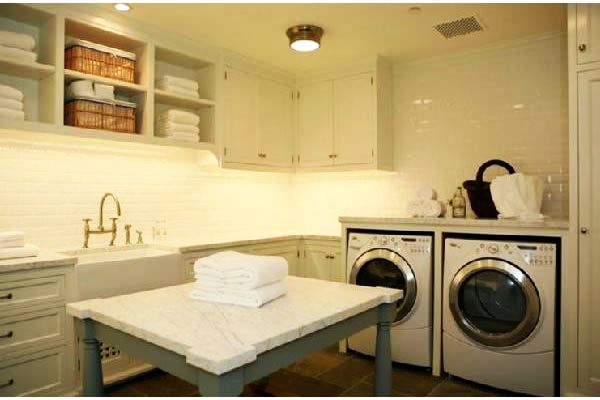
(383, 267)
(494, 302)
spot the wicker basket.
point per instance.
(479, 192)
(117, 116)
(91, 58)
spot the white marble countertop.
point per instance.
(45, 259)
(548, 223)
(218, 337)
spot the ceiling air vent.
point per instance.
(459, 27)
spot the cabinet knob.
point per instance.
(582, 47)
(583, 230)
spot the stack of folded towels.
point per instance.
(242, 279)
(178, 125)
(425, 204)
(17, 46)
(11, 103)
(179, 86)
(12, 245)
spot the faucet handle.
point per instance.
(139, 239)
(127, 233)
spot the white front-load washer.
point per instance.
(402, 261)
(499, 299)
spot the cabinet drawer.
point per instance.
(36, 328)
(29, 292)
(42, 373)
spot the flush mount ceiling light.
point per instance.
(305, 38)
(122, 7)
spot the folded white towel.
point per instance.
(179, 91)
(11, 104)
(103, 91)
(7, 113)
(9, 92)
(426, 193)
(249, 297)
(21, 41)
(245, 271)
(12, 239)
(179, 116)
(17, 54)
(170, 80)
(183, 136)
(169, 126)
(81, 88)
(28, 250)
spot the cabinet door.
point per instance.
(588, 33)
(315, 125)
(322, 262)
(589, 236)
(354, 122)
(241, 139)
(275, 127)
(290, 253)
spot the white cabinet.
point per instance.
(289, 251)
(589, 230)
(315, 125)
(258, 121)
(322, 261)
(588, 33)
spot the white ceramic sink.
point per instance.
(121, 270)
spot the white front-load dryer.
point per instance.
(402, 261)
(499, 312)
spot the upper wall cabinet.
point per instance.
(258, 121)
(344, 120)
(588, 33)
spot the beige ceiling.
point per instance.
(352, 31)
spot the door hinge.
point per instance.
(292, 95)
(304, 253)
(371, 81)
(298, 95)
(292, 158)
(298, 158)
(225, 75)
(372, 153)
(224, 151)
(298, 253)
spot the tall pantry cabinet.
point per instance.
(584, 78)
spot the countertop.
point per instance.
(219, 338)
(560, 224)
(45, 259)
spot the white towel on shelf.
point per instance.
(249, 297)
(433, 208)
(180, 91)
(28, 250)
(170, 80)
(17, 54)
(183, 136)
(169, 126)
(243, 271)
(11, 104)
(426, 193)
(179, 116)
(21, 41)
(81, 88)
(9, 92)
(8, 113)
(12, 239)
(102, 91)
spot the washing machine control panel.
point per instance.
(411, 244)
(534, 254)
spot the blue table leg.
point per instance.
(91, 365)
(383, 351)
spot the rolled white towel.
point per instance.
(17, 54)
(179, 116)
(7, 113)
(16, 40)
(414, 208)
(11, 104)
(28, 250)
(179, 91)
(426, 193)
(432, 208)
(248, 297)
(167, 126)
(9, 92)
(12, 239)
(247, 271)
(170, 80)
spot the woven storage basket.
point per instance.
(479, 192)
(95, 59)
(117, 116)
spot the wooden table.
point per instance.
(220, 347)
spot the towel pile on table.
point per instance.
(17, 46)
(11, 103)
(179, 125)
(235, 278)
(12, 245)
(425, 204)
(178, 86)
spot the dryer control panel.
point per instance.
(535, 254)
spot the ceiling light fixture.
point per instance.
(305, 38)
(122, 7)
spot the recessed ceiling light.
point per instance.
(305, 38)
(122, 7)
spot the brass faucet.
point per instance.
(113, 230)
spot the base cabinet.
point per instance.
(322, 260)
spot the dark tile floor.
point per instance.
(326, 373)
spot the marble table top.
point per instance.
(219, 338)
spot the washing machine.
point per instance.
(499, 312)
(402, 261)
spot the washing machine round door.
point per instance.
(494, 302)
(383, 267)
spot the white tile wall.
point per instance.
(451, 115)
